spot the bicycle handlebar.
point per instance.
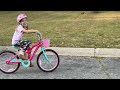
(39, 36)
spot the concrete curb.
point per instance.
(107, 52)
(74, 51)
(95, 52)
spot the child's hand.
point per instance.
(37, 32)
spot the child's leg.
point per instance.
(31, 65)
(27, 56)
(24, 57)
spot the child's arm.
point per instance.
(30, 31)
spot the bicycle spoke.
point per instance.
(50, 64)
(4, 67)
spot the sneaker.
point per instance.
(31, 65)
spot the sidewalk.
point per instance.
(98, 52)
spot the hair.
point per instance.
(19, 22)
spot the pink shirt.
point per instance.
(18, 34)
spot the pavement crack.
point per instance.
(104, 69)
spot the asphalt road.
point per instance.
(72, 68)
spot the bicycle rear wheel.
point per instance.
(48, 65)
(7, 68)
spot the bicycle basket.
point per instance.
(46, 43)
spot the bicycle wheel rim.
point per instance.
(7, 68)
(48, 66)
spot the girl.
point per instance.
(17, 41)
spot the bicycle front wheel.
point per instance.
(48, 65)
(7, 68)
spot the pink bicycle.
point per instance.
(47, 59)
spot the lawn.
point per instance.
(82, 29)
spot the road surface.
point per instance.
(72, 68)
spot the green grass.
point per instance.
(67, 28)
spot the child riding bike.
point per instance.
(17, 41)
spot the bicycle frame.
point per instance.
(38, 45)
(16, 61)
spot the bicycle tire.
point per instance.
(5, 53)
(39, 59)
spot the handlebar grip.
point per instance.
(37, 33)
(39, 36)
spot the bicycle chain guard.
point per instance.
(26, 63)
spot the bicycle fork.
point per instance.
(45, 56)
